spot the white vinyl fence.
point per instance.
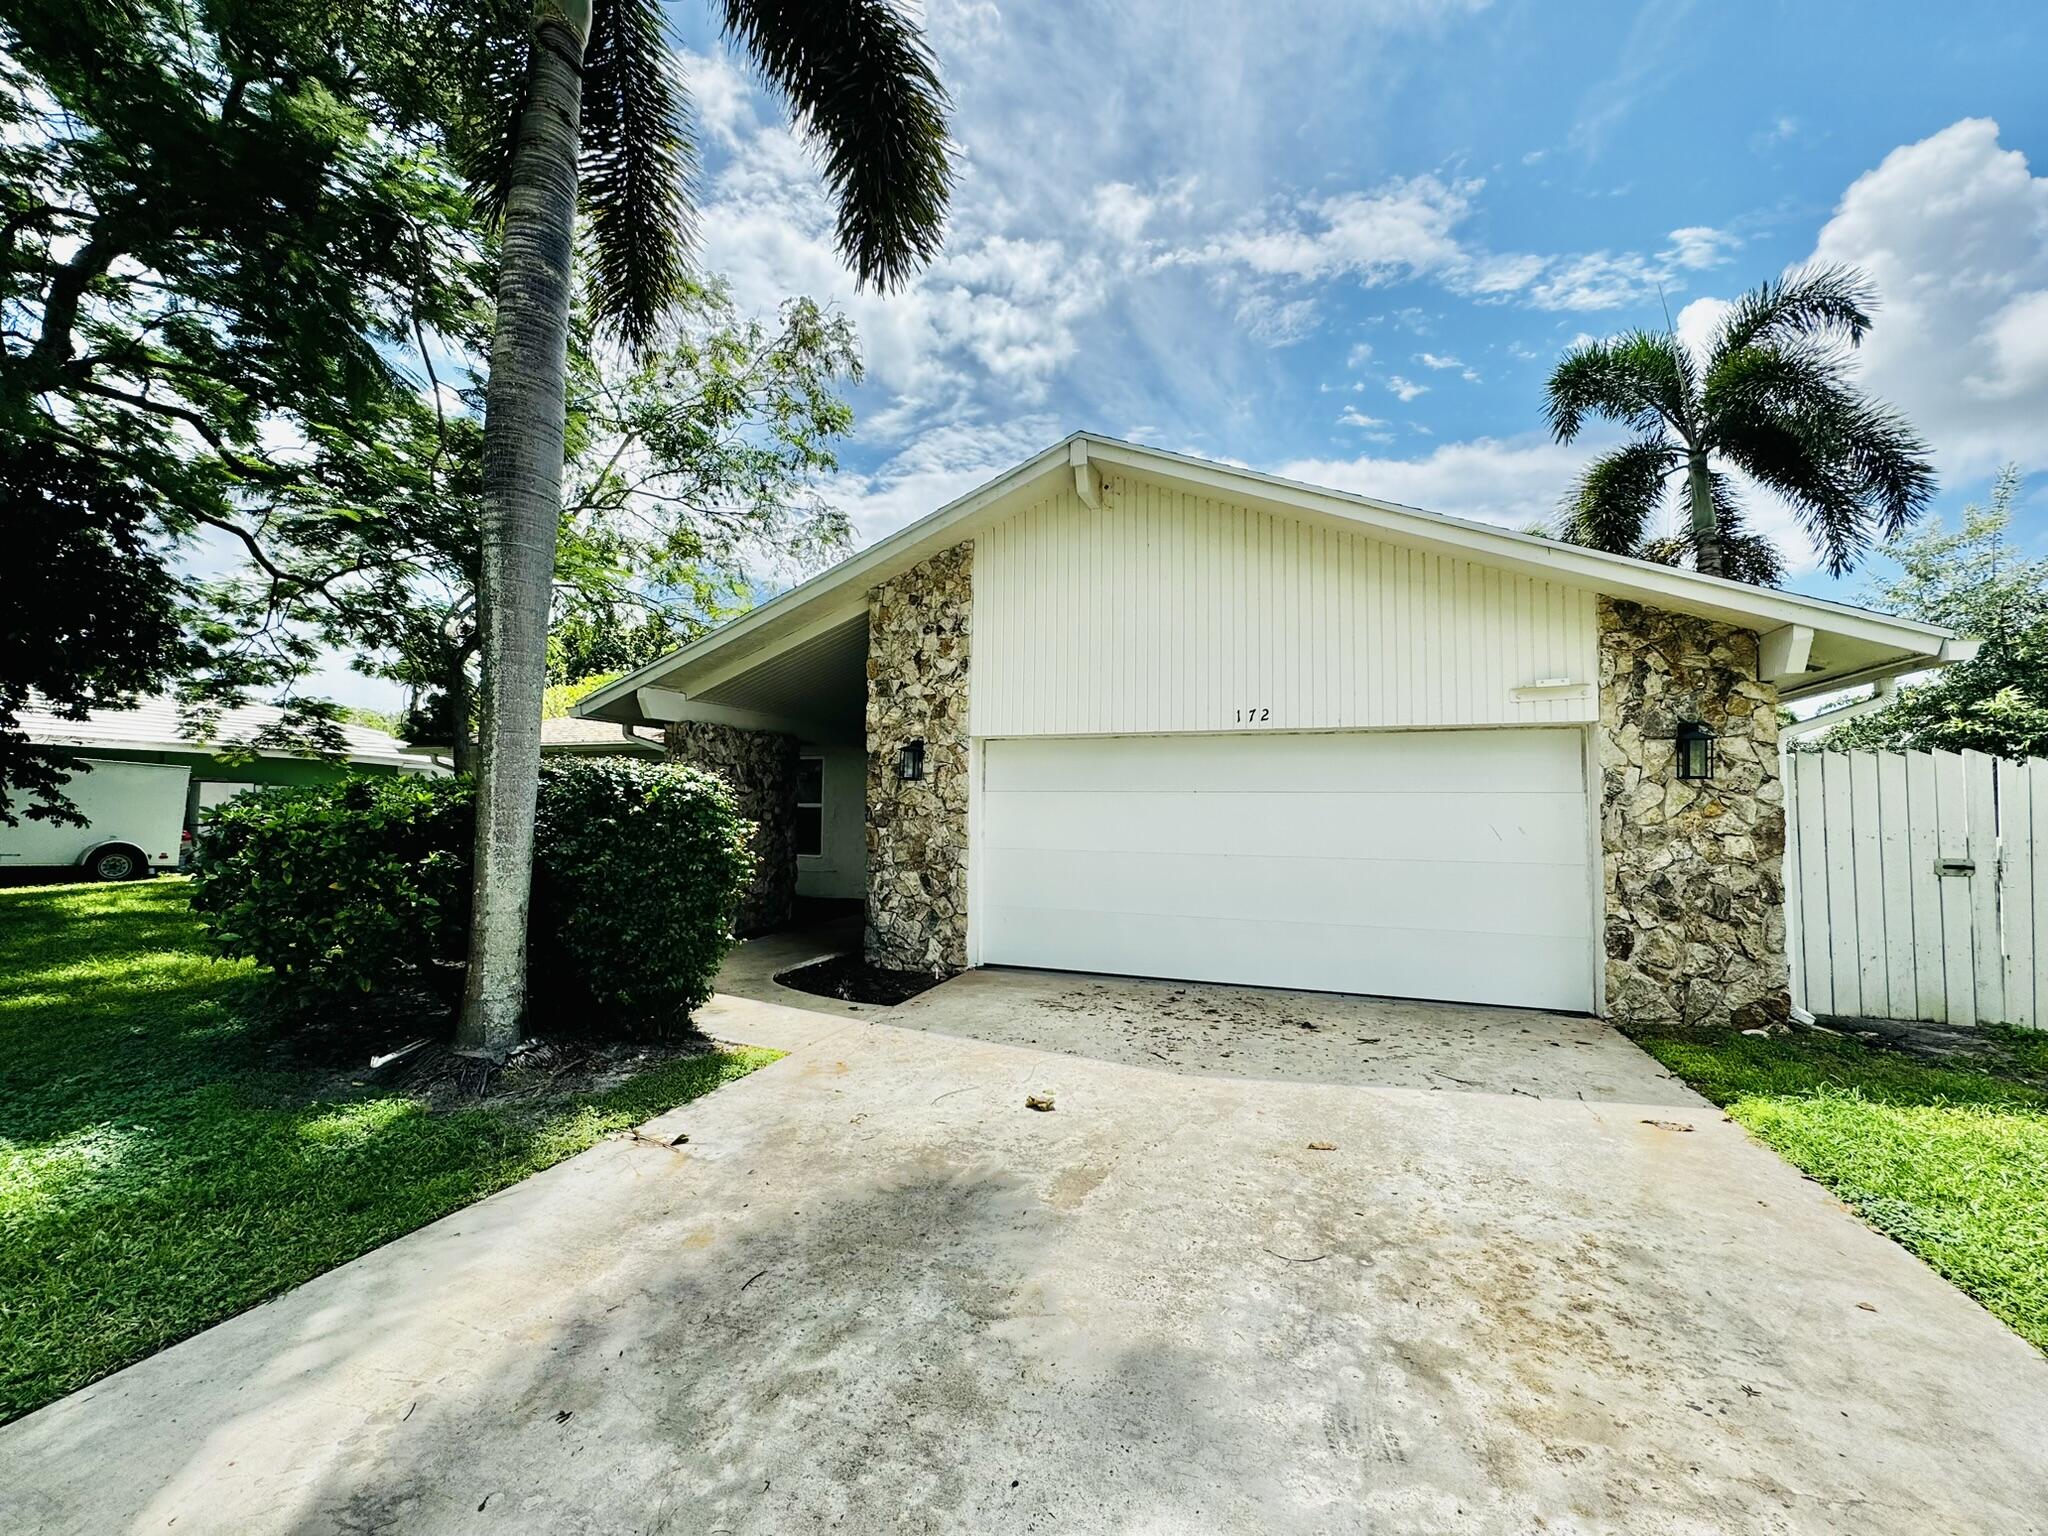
(1917, 886)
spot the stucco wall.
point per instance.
(1694, 872)
(919, 628)
(760, 766)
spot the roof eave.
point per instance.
(852, 576)
(1906, 645)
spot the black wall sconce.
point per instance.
(910, 761)
(1694, 744)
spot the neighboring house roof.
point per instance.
(153, 726)
(812, 626)
(597, 737)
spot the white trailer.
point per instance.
(135, 819)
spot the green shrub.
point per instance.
(359, 891)
(638, 872)
(341, 890)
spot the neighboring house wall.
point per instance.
(1694, 872)
(244, 772)
(1171, 612)
(760, 767)
(918, 643)
(839, 869)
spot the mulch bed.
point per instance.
(852, 980)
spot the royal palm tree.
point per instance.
(1770, 397)
(586, 88)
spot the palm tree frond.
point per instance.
(1825, 301)
(1617, 497)
(1848, 465)
(1642, 379)
(494, 62)
(1764, 378)
(1791, 454)
(639, 157)
(865, 90)
(1894, 477)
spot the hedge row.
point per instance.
(360, 891)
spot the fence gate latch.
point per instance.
(1955, 866)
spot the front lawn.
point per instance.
(164, 1165)
(1952, 1160)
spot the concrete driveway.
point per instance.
(1533, 1286)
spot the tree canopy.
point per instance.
(1973, 580)
(215, 223)
(246, 303)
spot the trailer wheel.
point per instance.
(117, 862)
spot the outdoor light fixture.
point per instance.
(1695, 751)
(910, 761)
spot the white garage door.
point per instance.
(1443, 864)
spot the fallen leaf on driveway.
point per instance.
(1038, 1101)
(1667, 1125)
(1322, 1146)
(1866, 1306)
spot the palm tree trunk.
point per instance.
(524, 413)
(460, 702)
(1706, 527)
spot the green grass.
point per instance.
(1950, 1160)
(161, 1169)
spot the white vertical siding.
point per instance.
(1167, 611)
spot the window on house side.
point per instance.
(810, 806)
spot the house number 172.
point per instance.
(1256, 715)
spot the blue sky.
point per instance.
(1345, 239)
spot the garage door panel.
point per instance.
(1520, 970)
(1507, 827)
(1391, 761)
(1544, 899)
(1447, 864)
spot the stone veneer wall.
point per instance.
(1694, 872)
(918, 632)
(760, 768)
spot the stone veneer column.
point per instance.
(1694, 872)
(760, 769)
(918, 630)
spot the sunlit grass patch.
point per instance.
(1950, 1159)
(160, 1170)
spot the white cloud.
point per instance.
(720, 96)
(1277, 324)
(1700, 245)
(1353, 417)
(1510, 481)
(1407, 389)
(1696, 323)
(1411, 228)
(1437, 360)
(1953, 230)
(1403, 228)
(1125, 212)
(1359, 355)
(1783, 128)
(933, 468)
(1607, 280)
